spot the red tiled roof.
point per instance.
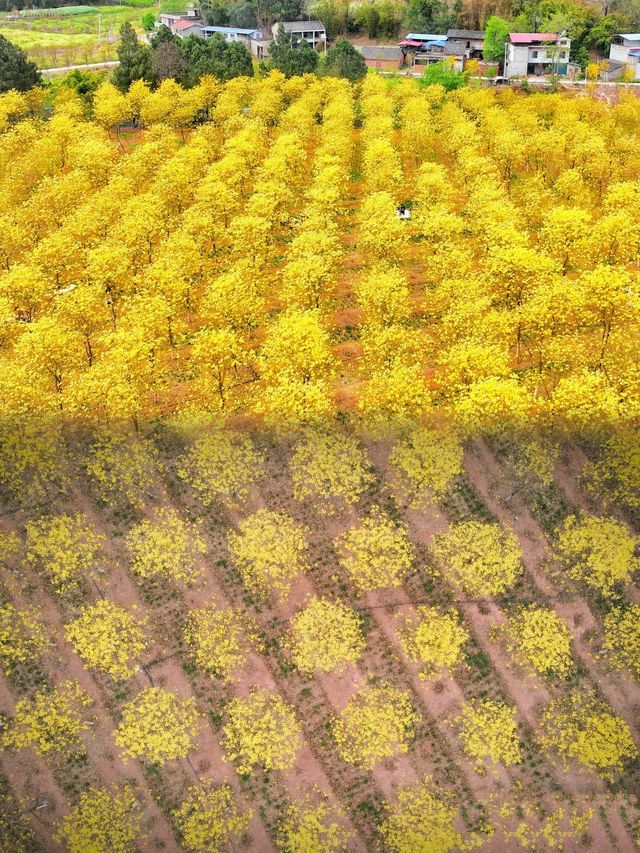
(409, 43)
(531, 38)
(183, 24)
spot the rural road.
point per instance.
(92, 66)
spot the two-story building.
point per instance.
(190, 23)
(313, 32)
(536, 54)
(625, 52)
(230, 34)
(468, 43)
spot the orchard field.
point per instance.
(318, 525)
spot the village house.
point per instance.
(383, 57)
(469, 43)
(427, 48)
(231, 34)
(624, 52)
(190, 23)
(313, 32)
(536, 54)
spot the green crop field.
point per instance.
(58, 37)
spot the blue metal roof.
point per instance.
(426, 36)
(239, 30)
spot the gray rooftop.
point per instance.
(301, 26)
(465, 34)
(380, 52)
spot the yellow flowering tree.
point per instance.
(538, 640)
(166, 546)
(330, 467)
(325, 636)
(583, 728)
(219, 639)
(616, 474)
(261, 730)
(434, 639)
(377, 722)
(269, 551)
(210, 819)
(158, 725)
(50, 721)
(221, 466)
(103, 821)
(422, 818)
(622, 638)
(377, 553)
(596, 550)
(315, 825)
(425, 463)
(64, 547)
(123, 469)
(479, 558)
(16, 833)
(489, 730)
(22, 636)
(108, 638)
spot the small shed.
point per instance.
(387, 57)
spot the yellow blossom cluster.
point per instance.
(622, 638)
(122, 468)
(330, 467)
(434, 639)
(425, 463)
(219, 639)
(615, 475)
(537, 829)
(261, 730)
(538, 639)
(158, 725)
(489, 730)
(314, 825)
(377, 722)
(268, 549)
(581, 727)
(166, 546)
(64, 547)
(22, 635)
(325, 636)
(377, 553)
(596, 550)
(108, 638)
(103, 821)
(209, 819)
(479, 558)
(49, 721)
(16, 833)
(422, 818)
(221, 466)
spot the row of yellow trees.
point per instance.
(260, 267)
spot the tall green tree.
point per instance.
(16, 71)
(343, 60)
(291, 55)
(495, 37)
(135, 59)
(223, 60)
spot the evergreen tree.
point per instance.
(16, 71)
(343, 60)
(135, 59)
(291, 55)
